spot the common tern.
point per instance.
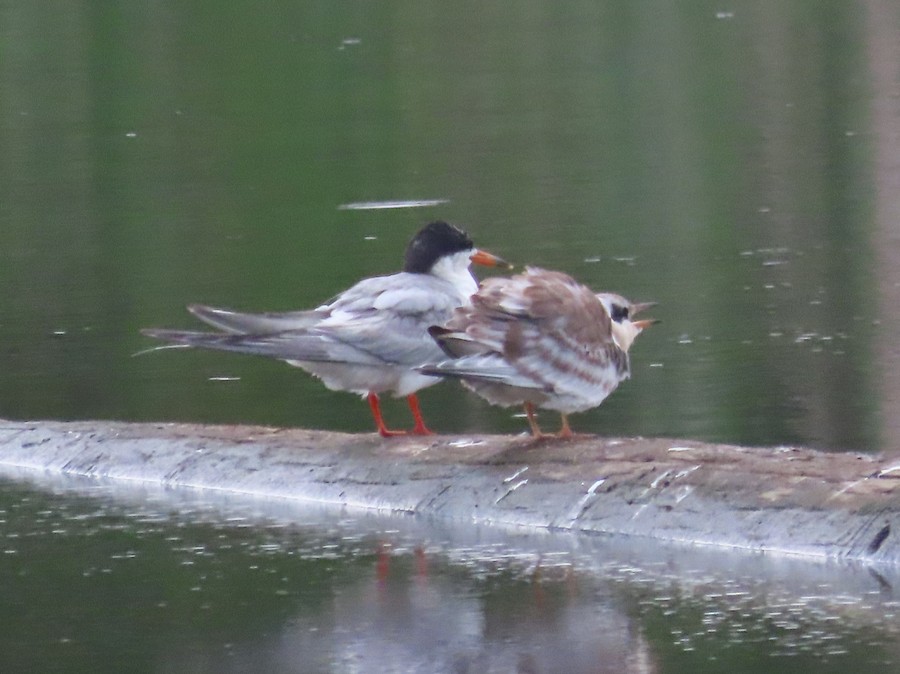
(369, 338)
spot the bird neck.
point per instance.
(624, 334)
(455, 270)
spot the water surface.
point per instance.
(101, 577)
(727, 162)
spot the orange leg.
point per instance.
(532, 422)
(565, 430)
(379, 420)
(419, 428)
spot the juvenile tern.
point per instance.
(540, 339)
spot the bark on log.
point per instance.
(785, 499)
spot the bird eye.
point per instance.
(619, 313)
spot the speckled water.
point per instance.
(101, 577)
(663, 151)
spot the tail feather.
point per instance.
(457, 344)
(480, 368)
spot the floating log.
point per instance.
(786, 500)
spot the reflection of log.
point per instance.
(789, 500)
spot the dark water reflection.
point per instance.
(105, 578)
(736, 164)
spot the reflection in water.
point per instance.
(404, 622)
(193, 582)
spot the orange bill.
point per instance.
(486, 259)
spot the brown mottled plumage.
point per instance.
(540, 339)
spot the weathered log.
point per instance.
(785, 499)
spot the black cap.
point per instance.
(434, 241)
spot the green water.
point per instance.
(104, 578)
(722, 164)
(735, 162)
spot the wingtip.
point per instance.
(429, 370)
(161, 347)
(202, 309)
(167, 335)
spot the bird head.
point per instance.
(621, 313)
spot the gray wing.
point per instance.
(403, 294)
(389, 337)
(287, 345)
(358, 299)
(242, 323)
(379, 321)
(371, 344)
(388, 317)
